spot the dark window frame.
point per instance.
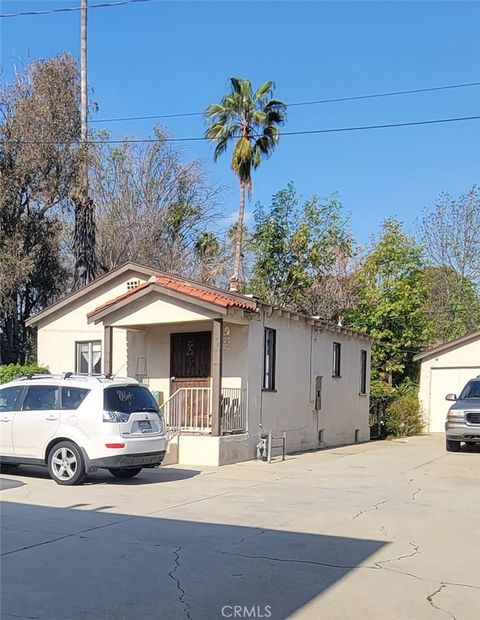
(269, 359)
(363, 371)
(337, 360)
(78, 343)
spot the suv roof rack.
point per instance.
(74, 375)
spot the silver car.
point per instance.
(463, 417)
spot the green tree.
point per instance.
(295, 244)
(39, 126)
(452, 305)
(251, 121)
(391, 294)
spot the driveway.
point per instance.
(382, 530)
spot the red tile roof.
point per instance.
(190, 289)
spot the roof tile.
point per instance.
(192, 289)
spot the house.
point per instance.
(445, 369)
(223, 366)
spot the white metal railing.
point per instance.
(233, 411)
(189, 409)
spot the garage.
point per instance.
(445, 369)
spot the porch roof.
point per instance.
(194, 292)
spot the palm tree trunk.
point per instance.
(237, 261)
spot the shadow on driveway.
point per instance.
(81, 564)
(103, 476)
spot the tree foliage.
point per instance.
(390, 288)
(295, 244)
(251, 120)
(151, 206)
(38, 166)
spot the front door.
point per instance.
(190, 360)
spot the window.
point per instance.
(9, 398)
(128, 398)
(41, 398)
(88, 358)
(269, 355)
(336, 366)
(72, 397)
(363, 372)
(471, 390)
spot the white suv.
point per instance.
(75, 424)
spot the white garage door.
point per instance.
(446, 381)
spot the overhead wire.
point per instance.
(298, 103)
(69, 9)
(283, 133)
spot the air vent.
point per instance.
(131, 284)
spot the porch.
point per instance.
(197, 372)
(189, 410)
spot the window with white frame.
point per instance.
(88, 357)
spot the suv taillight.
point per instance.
(115, 416)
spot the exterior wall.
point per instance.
(57, 333)
(155, 309)
(444, 373)
(302, 353)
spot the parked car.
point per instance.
(76, 424)
(463, 417)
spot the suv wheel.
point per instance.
(127, 472)
(65, 464)
(453, 446)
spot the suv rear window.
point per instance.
(128, 398)
(471, 390)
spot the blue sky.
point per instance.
(166, 57)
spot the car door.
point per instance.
(9, 401)
(37, 421)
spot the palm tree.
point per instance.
(251, 120)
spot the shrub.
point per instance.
(403, 417)
(13, 371)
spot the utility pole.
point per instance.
(83, 94)
(84, 234)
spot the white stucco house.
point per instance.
(445, 369)
(224, 366)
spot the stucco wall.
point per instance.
(304, 352)
(57, 334)
(446, 372)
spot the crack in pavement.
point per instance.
(362, 512)
(171, 574)
(415, 493)
(416, 551)
(375, 507)
(431, 596)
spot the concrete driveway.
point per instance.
(382, 530)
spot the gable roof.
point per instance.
(98, 282)
(185, 288)
(447, 345)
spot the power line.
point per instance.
(299, 103)
(284, 133)
(66, 9)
